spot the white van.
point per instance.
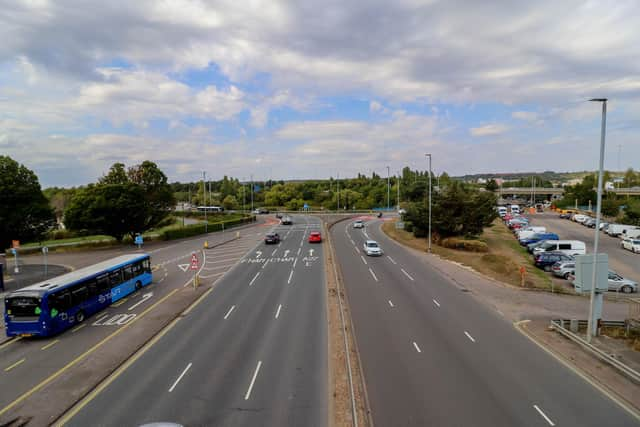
(530, 231)
(631, 233)
(616, 230)
(502, 211)
(515, 209)
(569, 247)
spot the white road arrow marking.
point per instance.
(286, 252)
(310, 252)
(258, 253)
(144, 298)
(183, 267)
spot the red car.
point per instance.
(315, 237)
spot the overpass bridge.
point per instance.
(559, 191)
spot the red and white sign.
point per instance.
(194, 261)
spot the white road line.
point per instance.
(407, 274)
(373, 274)
(299, 249)
(353, 243)
(500, 313)
(274, 252)
(363, 260)
(544, 415)
(417, 348)
(233, 307)
(301, 243)
(180, 377)
(265, 263)
(290, 275)
(223, 260)
(436, 303)
(469, 336)
(391, 259)
(390, 303)
(295, 261)
(253, 380)
(278, 310)
(357, 249)
(254, 278)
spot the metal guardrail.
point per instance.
(632, 374)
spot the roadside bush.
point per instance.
(408, 226)
(61, 234)
(196, 229)
(464, 245)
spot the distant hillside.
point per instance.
(552, 176)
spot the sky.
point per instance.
(307, 89)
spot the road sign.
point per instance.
(194, 261)
(138, 240)
(15, 244)
(45, 249)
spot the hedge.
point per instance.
(196, 229)
(465, 245)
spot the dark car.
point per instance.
(270, 238)
(565, 215)
(286, 220)
(278, 215)
(545, 260)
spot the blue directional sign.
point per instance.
(138, 240)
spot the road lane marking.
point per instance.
(10, 367)
(209, 276)
(392, 260)
(51, 344)
(390, 303)
(99, 319)
(469, 336)
(363, 260)
(353, 243)
(254, 278)
(233, 307)
(436, 303)
(278, 310)
(407, 274)
(290, 275)
(299, 249)
(119, 303)
(417, 348)
(357, 249)
(265, 263)
(77, 328)
(274, 252)
(180, 377)
(253, 380)
(11, 341)
(295, 261)
(144, 298)
(543, 415)
(373, 274)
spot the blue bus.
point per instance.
(50, 307)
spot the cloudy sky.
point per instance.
(307, 89)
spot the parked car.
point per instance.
(589, 222)
(315, 237)
(565, 215)
(569, 247)
(358, 223)
(286, 220)
(604, 226)
(526, 232)
(545, 260)
(271, 238)
(630, 244)
(614, 230)
(538, 237)
(620, 284)
(532, 246)
(564, 269)
(580, 218)
(278, 215)
(371, 248)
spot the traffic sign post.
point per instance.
(194, 267)
(45, 251)
(16, 269)
(138, 240)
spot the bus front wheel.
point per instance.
(79, 317)
(138, 285)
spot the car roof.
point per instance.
(315, 232)
(371, 241)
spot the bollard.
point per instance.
(206, 244)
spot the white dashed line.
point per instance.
(265, 263)
(253, 380)
(363, 260)
(373, 274)
(407, 274)
(290, 275)
(229, 312)
(391, 259)
(436, 303)
(543, 415)
(390, 303)
(278, 310)
(469, 336)
(180, 377)
(274, 252)
(254, 278)
(299, 249)
(295, 261)
(417, 348)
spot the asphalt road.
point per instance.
(622, 261)
(253, 352)
(433, 355)
(25, 363)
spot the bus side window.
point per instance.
(137, 268)
(147, 265)
(92, 287)
(128, 274)
(103, 282)
(61, 300)
(115, 277)
(79, 294)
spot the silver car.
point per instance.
(618, 283)
(564, 269)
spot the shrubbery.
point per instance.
(196, 229)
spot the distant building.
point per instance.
(609, 185)
(481, 181)
(573, 181)
(499, 181)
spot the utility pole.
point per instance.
(429, 156)
(204, 197)
(388, 190)
(398, 197)
(595, 307)
(244, 207)
(338, 187)
(252, 193)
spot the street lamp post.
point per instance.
(204, 198)
(592, 323)
(398, 197)
(251, 193)
(388, 190)
(429, 156)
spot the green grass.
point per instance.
(80, 239)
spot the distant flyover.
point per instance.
(559, 191)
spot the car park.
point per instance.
(527, 232)
(372, 248)
(272, 238)
(545, 260)
(618, 283)
(358, 224)
(569, 247)
(315, 237)
(564, 269)
(630, 244)
(286, 220)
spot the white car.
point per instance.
(372, 248)
(632, 245)
(358, 224)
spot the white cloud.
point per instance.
(486, 130)
(528, 116)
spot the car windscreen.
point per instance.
(372, 245)
(21, 306)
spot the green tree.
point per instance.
(25, 213)
(117, 175)
(158, 195)
(229, 202)
(491, 185)
(632, 212)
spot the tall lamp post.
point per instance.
(592, 323)
(429, 156)
(388, 191)
(398, 197)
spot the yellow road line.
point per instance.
(119, 303)
(8, 368)
(83, 355)
(11, 341)
(77, 328)
(52, 343)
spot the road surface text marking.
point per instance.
(469, 336)
(233, 307)
(551, 423)
(253, 380)
(180, 377)
(417, 348)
